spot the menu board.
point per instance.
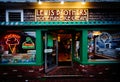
(61, 14)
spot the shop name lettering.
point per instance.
(62, 15)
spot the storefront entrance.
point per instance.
(65, 49)
(59, 48)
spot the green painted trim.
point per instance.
(39, 48)
(84, 56)
(77, 60)
(44, 23)
(23, 64)
(95, 62)
(100, 62)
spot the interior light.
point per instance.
(58, 38)
(62, 2)
(95, 33)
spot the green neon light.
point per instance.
(28, 44)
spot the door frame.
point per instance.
(72, 47)
(46, 54)
(72, 51)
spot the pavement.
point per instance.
(75, 73)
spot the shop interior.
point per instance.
(60, 46)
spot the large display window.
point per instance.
(17, 46)
(104, 45)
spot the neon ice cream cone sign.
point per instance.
(12, 40)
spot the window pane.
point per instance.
(17, 46)
(14, 16)
(104, 45)
(77, 45)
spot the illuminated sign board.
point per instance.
(61, 14)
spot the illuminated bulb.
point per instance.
(83, 3)
(70, 39)
(58, 38)
(95, 33)
(39, 2)
(45, 13)
(62, 2)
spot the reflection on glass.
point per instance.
(51, 57)
(77, 45)
(50, 50)
(104, 45)
(17, 46)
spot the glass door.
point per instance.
(50, 51)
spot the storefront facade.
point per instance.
(33, 34)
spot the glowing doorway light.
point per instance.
(39, 2)
(62, 2)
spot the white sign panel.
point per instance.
(48, 50)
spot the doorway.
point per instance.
(59, 48)
(64, 49)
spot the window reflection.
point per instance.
(17, 46)
(104, 45)
(77, 45)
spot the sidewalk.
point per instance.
(77, 73)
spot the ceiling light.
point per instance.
(83, 2)
(40, 2)
(62, 2)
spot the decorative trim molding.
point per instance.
(44, 23)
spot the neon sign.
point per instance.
(62, 15)
(11, 36)
(28, 44)
(12, 40)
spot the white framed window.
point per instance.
(14, 15)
